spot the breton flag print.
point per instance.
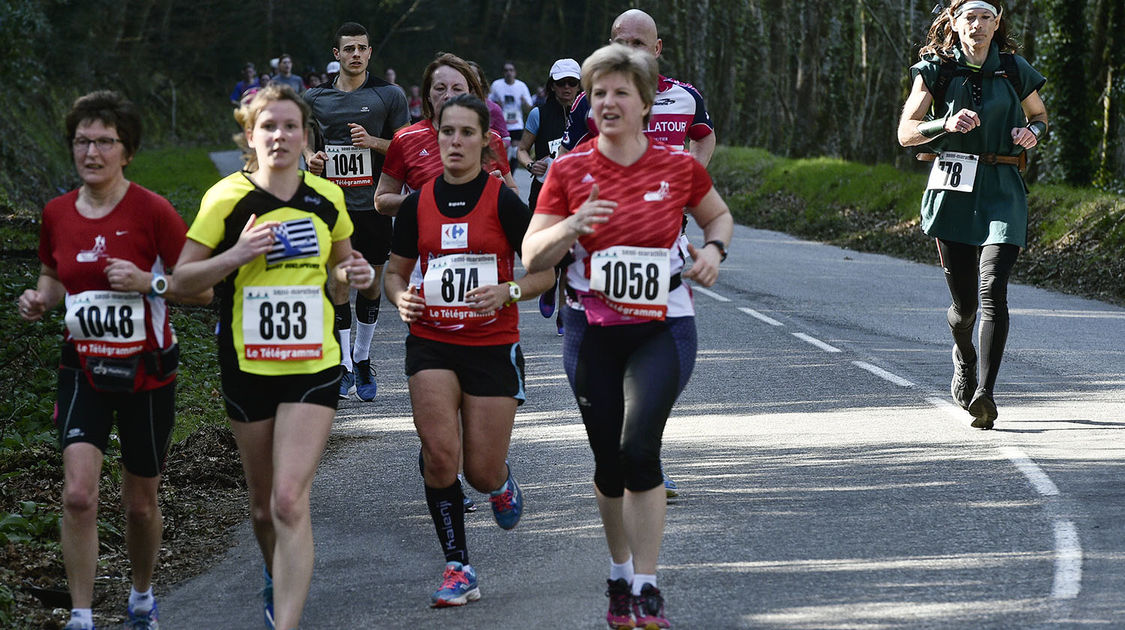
(293, 239)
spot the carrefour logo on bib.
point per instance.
(454, 235)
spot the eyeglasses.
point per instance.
(567, 83)
(352, 49)
(103, 144)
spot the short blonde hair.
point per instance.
(638, 65)
(247, 115)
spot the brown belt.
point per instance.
(1019, 161)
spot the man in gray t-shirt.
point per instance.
(357, 115)
(285, 74)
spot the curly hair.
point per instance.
(113, 110)
(943, 39)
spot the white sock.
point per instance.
(140, 602)
(345, 350)
(85, 616)
(639, 581)
(364, 333)
(623, 571)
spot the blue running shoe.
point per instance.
(468, 503)
(142, 621)
(267, 598)
(347, 382)
(507, 502)
(458, 586)
(547, 303)
(365, 387)
(670, 487)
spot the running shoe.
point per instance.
(559, 325)
(365, 387)
(620, 615)
(670, 487)
(465, 500)
(76, 625)
(347, 382)
(648, 609)
(983, 410)
(142, 621)
(507, 502)
(964, 380)
(267, 598)
(547, 301)
(458, 586)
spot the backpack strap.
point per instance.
(946, 71)
(1010, 70)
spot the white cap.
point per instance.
(333, 67)
(565, 68)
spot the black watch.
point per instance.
(722, 248)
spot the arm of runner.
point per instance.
(315, 162)
(509, 181)
(360, 138)
(914, 129)
(46, 295)
(1036, 112)
(714, 217)
(489, 299)
(349, 267)
(123, 275)
(197, 270)
(396, 280)
(523, 154)
(388, 195)
(550, 236)
(703, 148)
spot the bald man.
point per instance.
(678, 113)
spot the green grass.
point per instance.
(180, 174)
(1075, 235)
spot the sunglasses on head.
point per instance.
(568, 82)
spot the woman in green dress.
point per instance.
(975, 106)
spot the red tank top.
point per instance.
(456, 255)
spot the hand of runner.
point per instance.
(255, 240)
(123, 275)
(963, 121)
(538, 167)
(705, 265)
(487, 300)
(410, 305)
(592, 212)
(357, 272)
(316, 163)
(360, 137)
(1024, 137)
(32, 305)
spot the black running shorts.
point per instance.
(481, 370)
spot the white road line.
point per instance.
(954, 412)
(1068, 561)
(883, 374)
(816, 342)
(1039, 479)
(756, 315)
(709, 293)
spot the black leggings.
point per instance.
(972, 270)
(626, 379)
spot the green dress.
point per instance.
(996, 209)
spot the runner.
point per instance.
(616, 204)
(413, 157)
(543, 132)
(463, 358)
(105, 248)
(977, 121)
(265, 237)
(357, 114)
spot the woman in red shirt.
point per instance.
(451, 274)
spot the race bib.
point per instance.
(632, 280)
(348, 166)
(283, 323)
(553, 147)
(449, 278)
(106, 323)
(953, 171)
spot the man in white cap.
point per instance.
(678, 113)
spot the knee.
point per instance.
(993, 294)
(290, 504)
(261, 513)
(80, 500)
(486, 478)
(441, 463)
(609, 475)
(641, 463)
(142, 510)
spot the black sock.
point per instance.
(367, 311)
(343, 314)
(449, 520)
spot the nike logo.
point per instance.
(122, 232)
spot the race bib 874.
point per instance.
(449, 279)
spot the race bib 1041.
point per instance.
(449, 278)
(284, 323)
(348, 166)
(632, 280)
(106, 323)
(953, 171)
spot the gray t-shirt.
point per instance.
(292, 81)
(377, 105)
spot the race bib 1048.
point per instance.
(284, 323)
(106, 323)
(632, 280)
(953, 171)
(449, 278)
(348, 166)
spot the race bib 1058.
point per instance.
(632, 280)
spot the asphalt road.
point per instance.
(826, 481)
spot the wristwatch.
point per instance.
(514, 293)
(722, 248)
(158, 285)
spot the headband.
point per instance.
(976, 4)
